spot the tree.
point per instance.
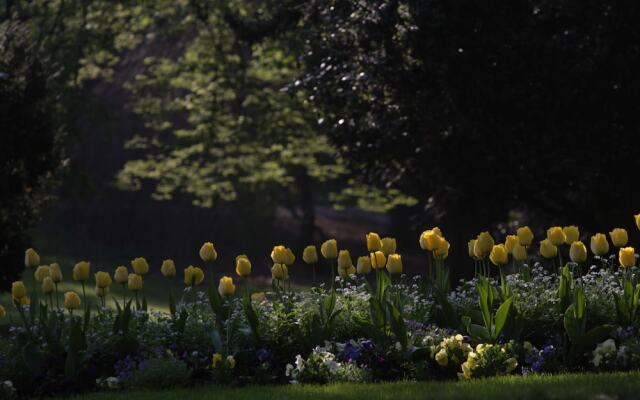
(478, 109)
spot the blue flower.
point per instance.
(350, 352)
(367, 345)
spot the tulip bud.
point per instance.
(122, 275)
(289, 258)
(279, 254)
(519, 252)
(373, 242)
(102, 291)
(378, 260)
(47, 285)
(18, 290)
(571, 233)
(364, 265)
(243, 266)
(394, 264)
(578, 252)
(140, 266)
(216, 360)
(134, 282)
(193, 276)
(310, 255)
(477, 252)
(627, 257)
(55, 273)
(344, 273)
(279, 271)
(599, 245)
(168, 268)
(556, 236)
(31, 258)
(71, 301)
(329, 249)
(3, 312)
(388, 246)
(344, 259)
(470, 247)
(637, 218)
(510, 242)
(81, 271)
(226, 286)
(442, 251)
(485, 243)
(548, 249)
(619, 237)
(499, 255)
(41, 273)
(525, 235)
(103, 279)
(208, 252)
(430, 239)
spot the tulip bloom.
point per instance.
(208, 252)
(168, 268)
(140, 266)
(548, 249)
(525, 236)
(571, 234)
(627, 257)
(363, 265)
(519, 252)
(619, 237)
(599, 245)
(226, 286)
(578, 252)
(329, 249)
(485, 243)
(310, 255)
(122, 275)
(71, 301)
(510, 242)
(388, 246)
(81, 271)
(394, 264)
(499, 255)
(41, 273)
(556, 235)
(31, 258)
(373, 242)
(243, 266)
(193, 276)
(430, 239)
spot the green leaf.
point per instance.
(479, 333)
(501, 316)
(398, 326)
(172, 303)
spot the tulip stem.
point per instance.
(333, 274)
(314, 274)
(55, 284)
(84, 296)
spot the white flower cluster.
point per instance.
(607, 354)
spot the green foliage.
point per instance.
(493, 324)
(160, 373)
(627, 303)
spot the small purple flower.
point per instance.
(367, 345)
(350, 352)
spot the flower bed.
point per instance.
(520, 314)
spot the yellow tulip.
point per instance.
(47, 285)
(140, 266)
(71, 301)
(18, 290)
(578, 252)
(394, 264)
(619, 237)
(344, 259)
(168, 268)
(31, 258)
(571, 233)
(637, 218)
(25, 301)
(499, 255)
(378, 260)
(122, 275)
(243, 266)
(329, 249)
(226, 286)
(430, 239)
(519, 252)
(548, 249)
(442, 251)
(103, 279)
(388, 246)
(3, 312)
(290, 258)
(279, 254)
(525, 236)
(627, 257)
(208, 252)
(310, 255)
(41, 273)
(102, 291)
(135, 282)
(364, 265)
(193, 276)
(556, 235)
(485, 243)
(279, 271)
(81, 271)
(373, 242)
(510, 242)
(216, 360)
(470, 246)
(599, 245)
(477, 252)
(55, 273)
(344, 273)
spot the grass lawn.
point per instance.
(571, 386)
